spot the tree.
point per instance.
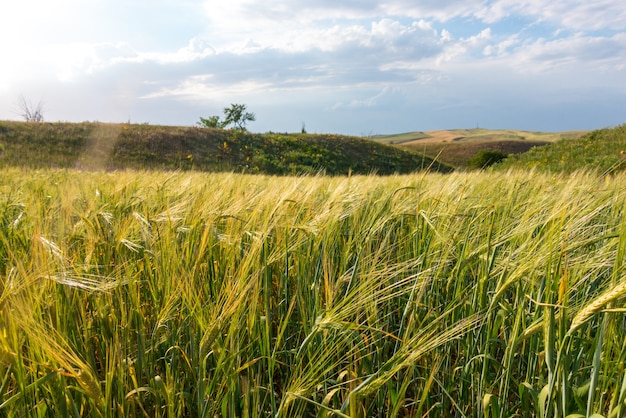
(211, 122)
(30, 113)
(237, 116)
(234, 115)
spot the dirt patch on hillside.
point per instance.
(436, 137)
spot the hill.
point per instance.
(121, 146)
(456, 146)
(602, 150)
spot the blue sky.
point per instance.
(357, 67)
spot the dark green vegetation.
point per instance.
(602, 150)
(486, 158)
(123, 146)
(235, 116)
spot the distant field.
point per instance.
(456, 146)
(474, 135)
(400, 138)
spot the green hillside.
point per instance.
(122, 146)
(602, 150)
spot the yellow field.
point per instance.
(462, 135)
(146, 294)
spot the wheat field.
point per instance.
(144, 294)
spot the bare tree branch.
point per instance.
(30, 113)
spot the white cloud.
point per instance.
(580, 15)
(290, 25)
(364, 103)
(252, 16)
(77, 60)
(464, 47)
(577, 53)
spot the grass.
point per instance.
(179, 294)
(96, 146)
(602, 150)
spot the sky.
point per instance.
(356, 67)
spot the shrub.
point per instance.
(485, 158)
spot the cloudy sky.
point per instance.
(356, 67)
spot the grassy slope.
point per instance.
(116, 146)
(602, 150)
